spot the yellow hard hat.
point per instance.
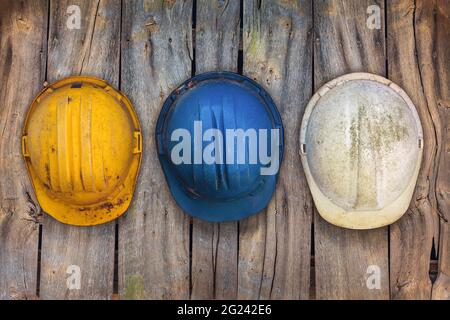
(82, 147)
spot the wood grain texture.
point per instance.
(215, 245)
(217, 35)
(23, 34)
(432, 29)
(274, 246)
(440, 34)
(92, 50)
(266, 256)
(410, 63)
(343, 43)
(154, 234)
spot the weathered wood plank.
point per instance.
(440, 33)
(23, 35)
(214, 245)
(427, 26)
(91, 50)
(154, 235)
(343, 44)
(217, 35)
(412, 236)
(274, 246)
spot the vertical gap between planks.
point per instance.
(120, 44)
(240, 68)
(193, 35)
(48, 37)
(434, 252)
(38, 269)
(38, 262)
(312, 275)
(312, 267)
(386, 40)
(313, 37)
(193, 70)
(191, 228)
(433, 269)
(386, 72)
(191, 231)
(115, 292)
(435, 248)
(116, 261)
(389, 254)
(240, 62)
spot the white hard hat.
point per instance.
(361, 147)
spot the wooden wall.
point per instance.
(155, 251)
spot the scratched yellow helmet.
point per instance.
(82, 147)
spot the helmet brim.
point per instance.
(219, 211)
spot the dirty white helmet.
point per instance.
(361, 147)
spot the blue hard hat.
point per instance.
(219, 138)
